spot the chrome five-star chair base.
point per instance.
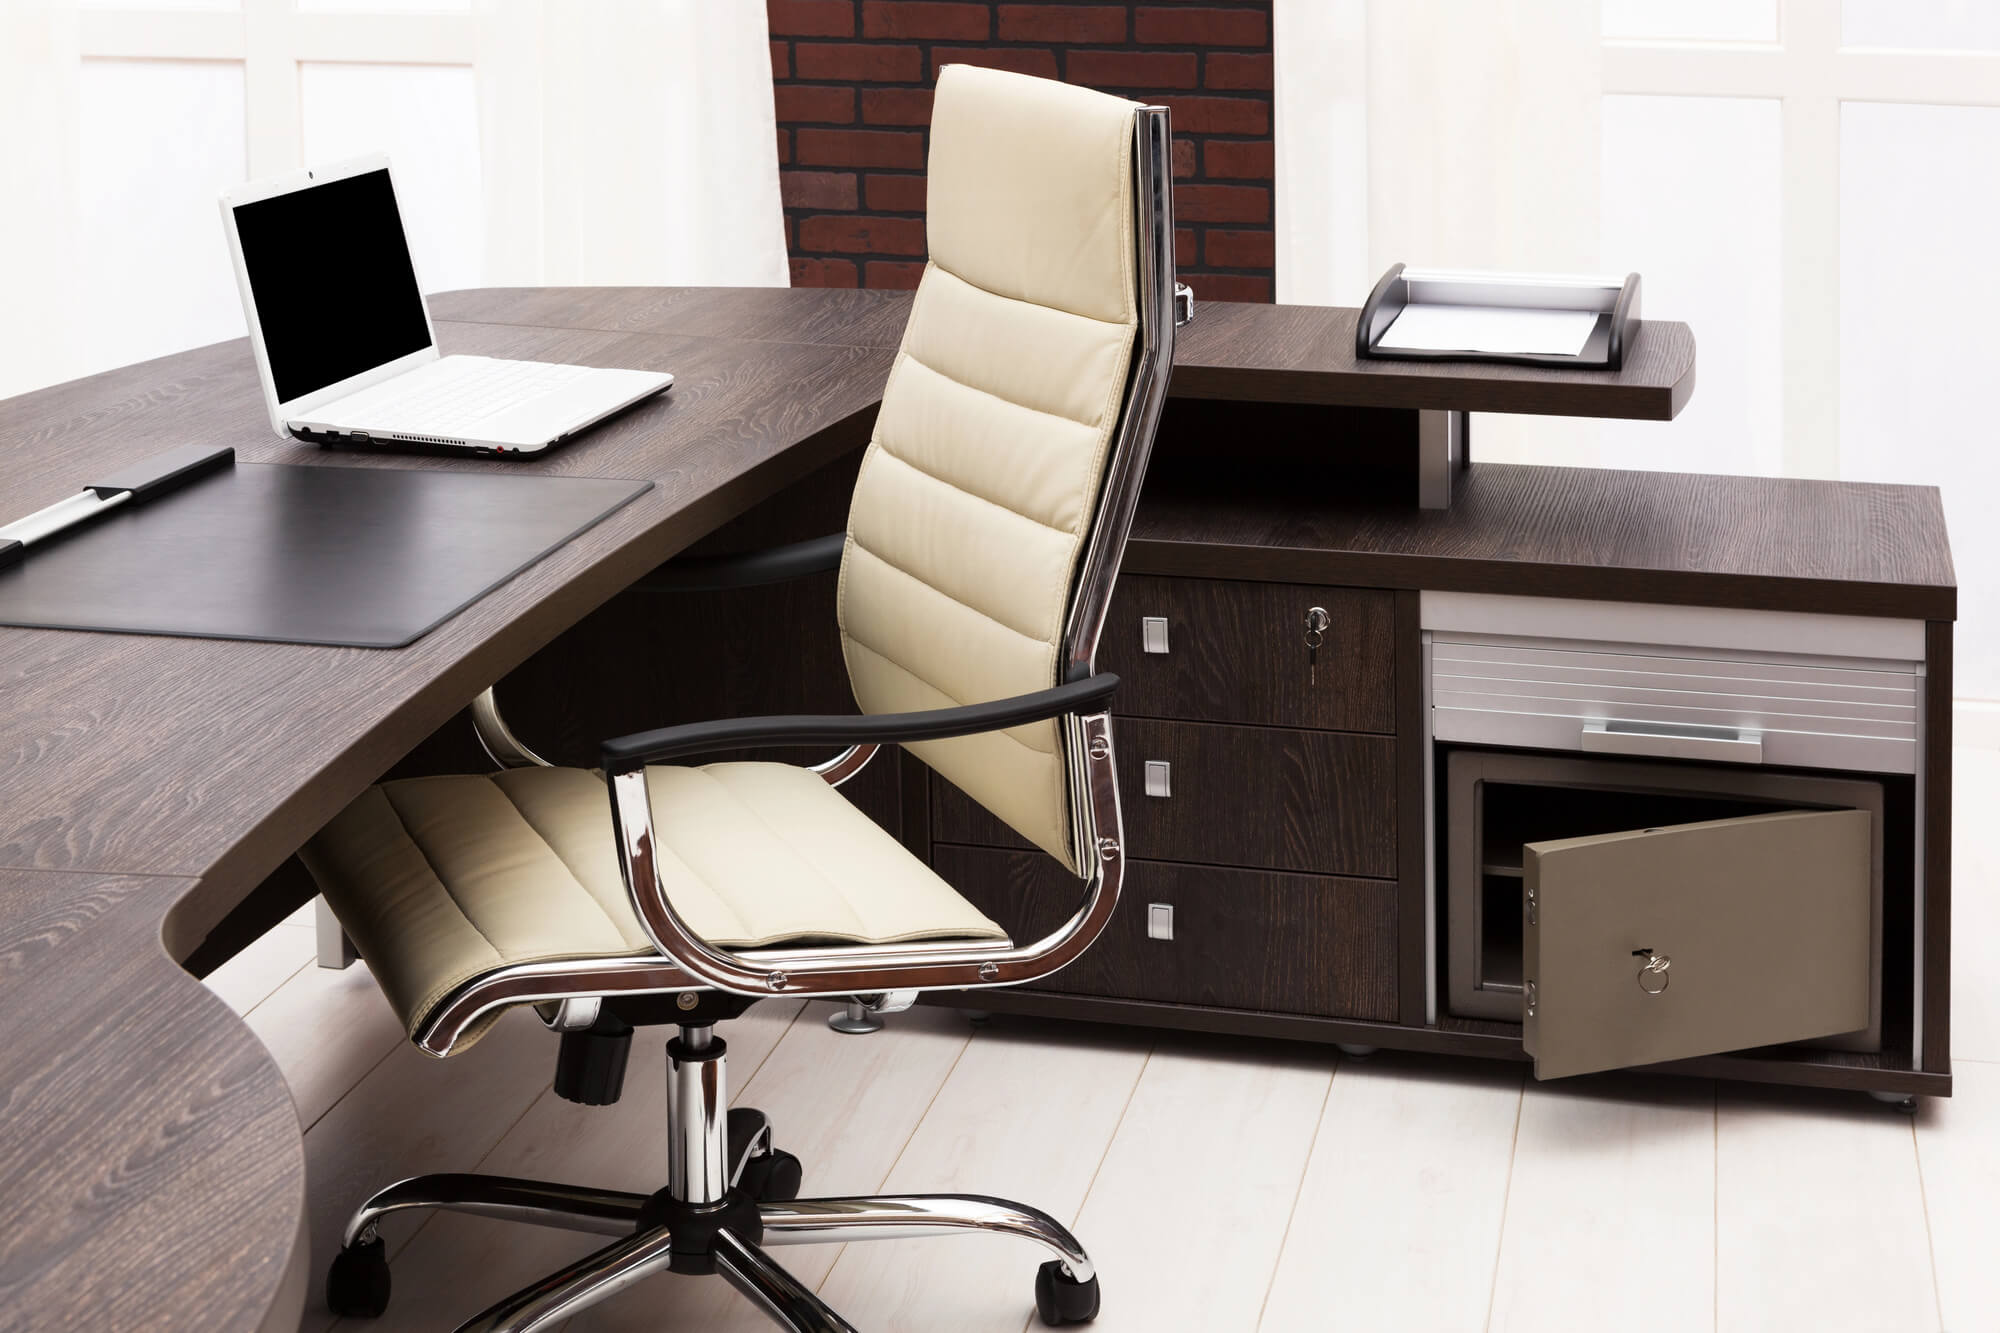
(729, 1195)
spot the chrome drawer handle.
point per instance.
(1152, 634)
(1159, 778)
(1673, 740)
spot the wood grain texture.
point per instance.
(1317, 801)
(1253, 352)
(1237, 653)
(1766, 543)
(1243, 939)
(1936, 816)
(149, 1154)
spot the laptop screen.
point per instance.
(330, 271)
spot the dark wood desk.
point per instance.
(147, 1146)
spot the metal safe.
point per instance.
(1628, 913)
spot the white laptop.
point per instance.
(343, 338)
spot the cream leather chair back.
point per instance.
(978, 493)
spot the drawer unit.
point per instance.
(1218, 650)
(1736, 706)
(1628, 913)
(1315, 801)
(1229, 939)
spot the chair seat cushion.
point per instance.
(439, 880)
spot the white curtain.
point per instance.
(629, 142)
(39, 315)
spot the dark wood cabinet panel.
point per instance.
(1316, 801)
(1242, 939)
(1236, 652)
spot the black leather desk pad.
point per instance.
(362, 557)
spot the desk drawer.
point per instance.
(1215, 650)
(1241, 939)
(1316, 801)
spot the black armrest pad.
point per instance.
(749, 569)
(651, 747)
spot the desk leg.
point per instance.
(335, 949)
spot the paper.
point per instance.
(1485, 328)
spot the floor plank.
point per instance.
(846, 1106)
(1819, 1216)
(1610, 1216)
(248, 979)
(1408, 1177)
(414, 1114)
(1188, 1211)
(982, 1135)
(456, 1266)
(326, 1028)
(1958, 1152)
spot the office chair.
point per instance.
(985, 533)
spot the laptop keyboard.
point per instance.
(462, 392)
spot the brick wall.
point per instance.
(854, 81)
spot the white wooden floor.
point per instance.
(1220, 1185)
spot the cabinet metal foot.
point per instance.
(979, 1018)
(1355, 1050)
(1902, 1101)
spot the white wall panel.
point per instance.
(1693, 20)
(426, 118)
(1921, 25)
(1691, 201)
(1919, 345)
(158, 140)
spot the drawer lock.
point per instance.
(1653, 972)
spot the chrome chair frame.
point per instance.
(704, 1198)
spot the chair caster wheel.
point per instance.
(774, 1177)
(1060, 1299)
(357, 1281)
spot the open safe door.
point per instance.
(1664, 943)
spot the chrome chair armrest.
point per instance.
(627, 753)
(864, 969)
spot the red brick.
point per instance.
(1021, 60)
(1201, 27)
(896, 106)
(895, 194)
(854, 234)
(803, 102)
(823, 273)
(894, 275)
(1220, 115)
(781, 60)
(1183, 247)
(812, 18)
(1183, 158)
(1228, 287)
(1134, 69)
(1213, 203)
(1062, 23)
(1239, 249)
(848, 62)
(819, 189)
(784, 146)
(861, 148)
(1237, 69)
(1239, 161)
(926, 19)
